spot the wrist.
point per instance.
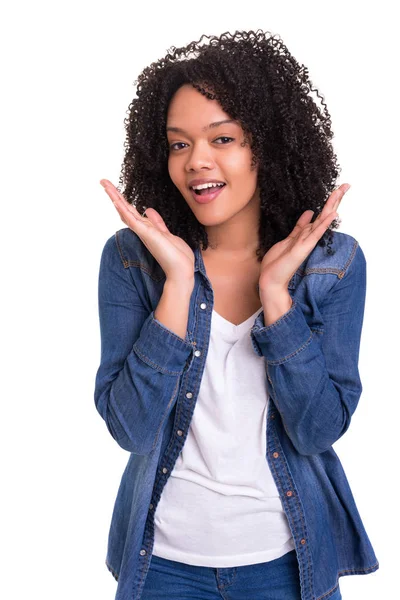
(181, 284)
(275, 302)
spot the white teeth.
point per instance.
(203, 186)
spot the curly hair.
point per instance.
(260, 84)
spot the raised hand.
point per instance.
(284, 258)
(173, 255)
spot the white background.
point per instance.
(67, 76)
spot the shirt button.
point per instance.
(289, 493)
(179, 432)
(272, 416)
(303, 541)
(203, 305)
(151, 506)
(197, 353)
(275, 454)
(165, 470)
(189, 395)
(142, 552)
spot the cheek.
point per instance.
(243, 176)
(173, 171)
(239, 166)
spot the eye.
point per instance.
(176, 144)
(224, 137)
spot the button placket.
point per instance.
(288, 493)
(179, 432)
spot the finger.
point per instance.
(156, 219)
(316, 232)
(301, 222)
(333, 201)
(115, 195)
(121, 204)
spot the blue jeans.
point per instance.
(273, 580)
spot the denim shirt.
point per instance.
(148, 382)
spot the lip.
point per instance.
(208, 197)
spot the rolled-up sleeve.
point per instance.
(313, 373)
(141, 361)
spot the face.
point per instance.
(200, 149)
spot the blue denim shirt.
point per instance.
(148, 381)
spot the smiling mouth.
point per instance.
(208, 190)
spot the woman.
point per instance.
(231, 317)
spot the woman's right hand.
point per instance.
(173, 255)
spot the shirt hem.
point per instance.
(227, 561)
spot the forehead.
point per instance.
(189, 107)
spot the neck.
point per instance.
(236, 237)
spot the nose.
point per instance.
(200, 157)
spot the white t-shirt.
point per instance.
(220, 506)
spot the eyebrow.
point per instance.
(210, 126)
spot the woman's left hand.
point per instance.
(284, 258)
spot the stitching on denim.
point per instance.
(359, 571)
(273, 389)
(300, 512)
(348, 572)
(285, 358)
(165, 412)
(322, 270)
(334, 270)
(179, 410)
(197, 382)
(119, 247)
(142, 267)
(194, 301)
(284, 485)
(154, 365)
(198, 379)
(345, 269)
(171, 333)
(222, 587)
(287, 315)
(146, 567)
(294, 525)
(330, 593)
(134, 263)
(351, 257)
(277, 442)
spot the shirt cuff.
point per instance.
(281, 340)
(161, 348)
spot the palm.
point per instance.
(172, 253)
(279, 263)
(284, 258)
